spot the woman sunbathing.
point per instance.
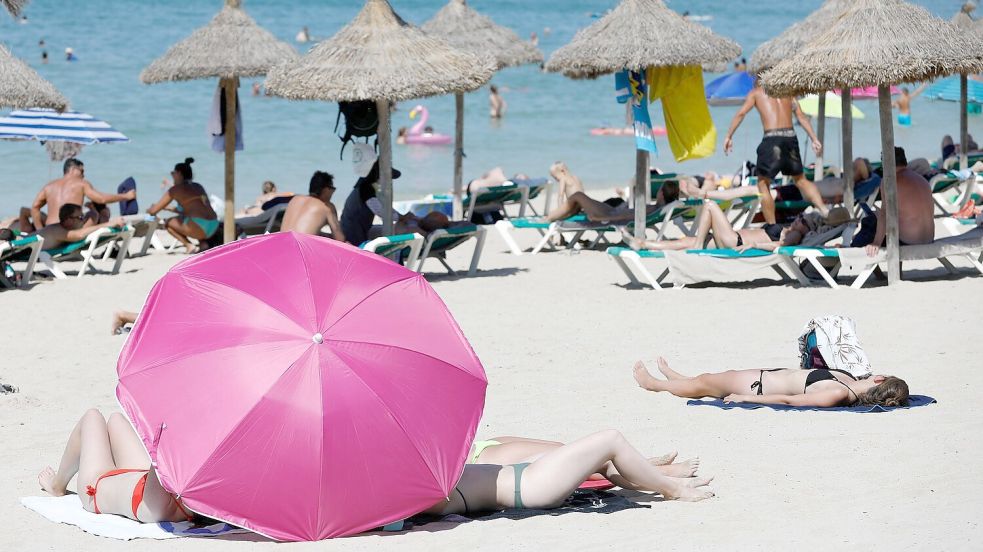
(573, 200)
(114, 472)
(795, 387)
(546, 482)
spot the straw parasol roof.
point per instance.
(22, 87)
(468, 30)
(790, 41)
(14, 6)
(378, 56)
(638, 34)
(877, 42)
(231, 45)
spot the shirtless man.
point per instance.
(916, 211)
(70, 188)
(69, 227)
(308, 214)
(496, 103)
(779, 149)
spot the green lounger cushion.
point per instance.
(645, 254)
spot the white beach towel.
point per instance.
(216, 134)
(68, 509)
(689, 269)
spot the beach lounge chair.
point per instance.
(86, 250)
(968, 245)
(264, 223)
(24, 249)
(630, 262)
(145, 226)
(529, 190)
(579, 225)
(439, 242)
(404, 247)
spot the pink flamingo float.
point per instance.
(418, 135)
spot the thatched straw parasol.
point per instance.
(231, 46)
(878, 43)
(22, 87)
(14, 6)
(636, 35)
(380, 57)
(470, 31)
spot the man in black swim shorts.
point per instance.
(779, 149)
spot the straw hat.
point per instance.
(838, 216)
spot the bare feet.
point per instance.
(663, 460)
(645, 380)
(191, 248)
(118, 322)
(631, 241)
(47, 480)
(669, 373)
(686, 468)
(693, 489)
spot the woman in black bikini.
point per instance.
(795, 387)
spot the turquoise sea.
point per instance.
(549, 116)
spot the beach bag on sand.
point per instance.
(832, 342)
(361, 121)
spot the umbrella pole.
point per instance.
(890, 184)
(963, 122)
(820, 171)
(641, 181)
(385, 166)
(229, 85)
(459, 157)
(847, 123)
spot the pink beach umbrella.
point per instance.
(301, 388)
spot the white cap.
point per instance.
(363, 157)
(68, 50)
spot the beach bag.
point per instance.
(361, 121)
(831, 342)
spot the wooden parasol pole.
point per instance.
(229, 86)
(459, 157)
(385, 166)
(847, 121)
(890, 184)
(820, 172)
(641, 182)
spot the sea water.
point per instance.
(549, 116)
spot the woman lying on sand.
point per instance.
(795, 387)
(114, 472)
(546, 482)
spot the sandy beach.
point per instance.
(558, 334)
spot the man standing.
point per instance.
(73, 188)
(779, 149)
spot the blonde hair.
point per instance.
(269, 187)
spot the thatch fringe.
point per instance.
(379, 56)
(468, 30)
(231, 45)
(14, 6)
(877, 42)
(638, 34)
(22, 87)
(790, 41)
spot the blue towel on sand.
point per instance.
(128, 207)
(914, 401)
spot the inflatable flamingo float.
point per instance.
(416, 134)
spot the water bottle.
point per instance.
(8, 272)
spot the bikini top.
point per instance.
(823, 374)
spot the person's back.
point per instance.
(916, 210)
(309, 214)
(775, 113)
(193, 200)
(65, 190)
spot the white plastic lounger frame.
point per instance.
(8, 250)
(631, 264)
(95, 240)
(429, 250)
(390, 246)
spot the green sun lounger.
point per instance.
(630, 262)
(403, 248)
(439, 242)
(86, 250)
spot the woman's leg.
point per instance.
(184, 230)
(547, 482)
(705, 385)
(88, 453)
(724, 234)
(514, 450)
(128, 450)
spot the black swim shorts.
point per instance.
(779, 153)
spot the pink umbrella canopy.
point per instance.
(301, 388)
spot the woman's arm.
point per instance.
(832, 397)
(164, 201)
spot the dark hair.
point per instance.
(319, 182)
(670, 191)
(269, 187)
(890, 392)
(71, 163)
(69, 209)
(185, 169)
(900, 159)
(494, 89)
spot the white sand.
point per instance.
(558, 336)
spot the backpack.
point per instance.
(831, 342)
(361, 121)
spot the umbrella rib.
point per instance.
(456, 367)
(174, 358)
(369, 296)
(241, 292)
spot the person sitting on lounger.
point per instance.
(434, 220)
(73, 188)
(492, 178)
(546, 482)
(197, 218)
(573, 200)
(309, 214)
(794, 387)
(916, 210)
(115, 475)
(362, 207)
(70, 229)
